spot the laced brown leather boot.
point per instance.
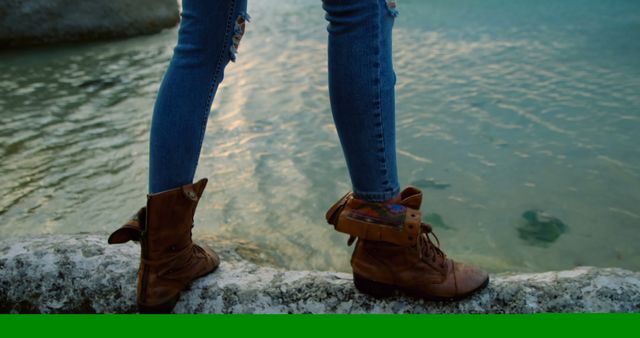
(169, 259)
(394, 250)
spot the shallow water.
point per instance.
(503, 107)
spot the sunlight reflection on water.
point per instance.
(516, 107)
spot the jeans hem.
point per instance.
(377, 196)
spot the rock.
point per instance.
(430, 184)
(541, 228)
(35, 22)
(436, 220)
(82, 274)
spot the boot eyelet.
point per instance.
(173, 248)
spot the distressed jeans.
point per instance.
(361, 90)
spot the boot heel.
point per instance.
(372, 288)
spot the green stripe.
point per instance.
(393, 326)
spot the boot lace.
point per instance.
(427, 249)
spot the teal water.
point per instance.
(503, 107)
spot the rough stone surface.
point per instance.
(34, 22)
(82, 274)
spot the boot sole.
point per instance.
(383, 290)
(168, 306)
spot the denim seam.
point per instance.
(213, 82)
(378, 104)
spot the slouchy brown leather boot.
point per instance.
(394, 250)
(169, 259)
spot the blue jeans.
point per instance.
(361, 88)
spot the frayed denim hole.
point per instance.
(238, 32)
(392, 7)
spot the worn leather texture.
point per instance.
(169, 258)
(395, 249)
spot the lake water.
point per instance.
(503, 107)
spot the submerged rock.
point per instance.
(82, 274)
(35, 22)
(541, 228)
(436, 220)
(430, 184)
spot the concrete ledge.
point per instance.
(82, 274)
(35, 22)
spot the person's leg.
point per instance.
(208, 39)
(209, 35)
(361, 87)
(394, 250)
